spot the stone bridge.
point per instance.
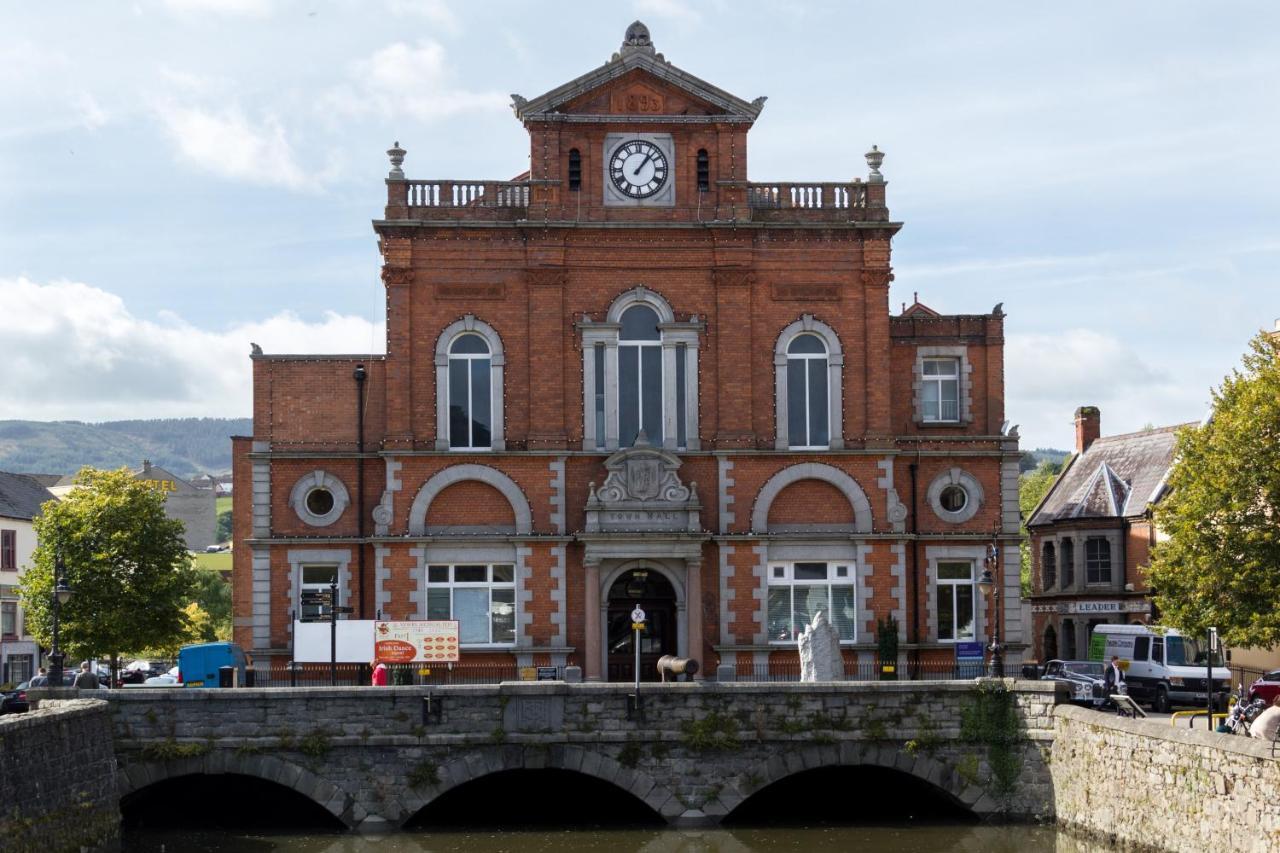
(374, 757)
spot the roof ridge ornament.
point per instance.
(637, 40)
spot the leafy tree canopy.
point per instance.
(1221, 564)
(125, 561)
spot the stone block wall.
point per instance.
(58, 779)
(1144, 784)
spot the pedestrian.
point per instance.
(85, 678)
(379, 673)
(1267, 724)
(1113, 681)
(41, 679)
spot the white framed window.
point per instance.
(470, 364)
(480, 596)
(940, 390)
(470, 394)
(1097, 560)
(640, 371)
(8, 618)
(640, 397)
(315, 579)
(957, 615)
(808, 407)
(797, 591)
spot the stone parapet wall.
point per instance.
(700, 750)
(58, 779)
(1144, 784)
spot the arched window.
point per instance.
(470, 394)
(808, 368)
(469, 363)
(704, 170)
(640, 371)
(1050, 643)
(639, 376)
(575, 170)
(808, 417)
(1049, 566)
(1068, 563)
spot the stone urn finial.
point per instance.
(396, 153)
(874, 158)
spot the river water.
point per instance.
(914, 838)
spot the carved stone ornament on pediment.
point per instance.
(643, 492)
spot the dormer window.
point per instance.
(704, 170)
(575, 170)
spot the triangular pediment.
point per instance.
(637, 81)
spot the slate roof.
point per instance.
(1118, 476)
(21, 496)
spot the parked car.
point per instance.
(1267, 687)
(1084, 678)
(15, 701)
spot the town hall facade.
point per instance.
(633, 376)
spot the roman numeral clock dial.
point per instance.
(638, 168)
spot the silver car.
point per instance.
(1084, 679)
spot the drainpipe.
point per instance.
(912, 591)
(360, 375)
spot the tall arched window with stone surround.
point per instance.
(640, 370)
(808, 420)
(470, 364)
(808, 386)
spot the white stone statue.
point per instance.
(820, 658)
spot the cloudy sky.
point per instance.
(181, 177)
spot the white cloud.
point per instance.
(226, 143)
(77, 352)
(1047, 376)
(230, 8)
(434, 11)
(408, 80)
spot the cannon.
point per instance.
(674, 666)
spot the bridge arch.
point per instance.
(479, 764)
(137, 776)
(937, 774)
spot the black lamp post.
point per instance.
(991, 568)
(61, 595)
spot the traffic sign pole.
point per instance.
(637, 623)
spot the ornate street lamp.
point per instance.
(991, 567)
(61, 595)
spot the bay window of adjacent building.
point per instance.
(1097, 560)
(9, 550)
(1068, 563)
(957, 616)
(940, 390)
(480, 596)
(8, 618)
(1048, 566)
(640, 373)
(808, 418)
(797, 591)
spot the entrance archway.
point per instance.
(648, 589)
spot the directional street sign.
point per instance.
(342, 609)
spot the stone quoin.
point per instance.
(634, 376)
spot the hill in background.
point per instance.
(185, 446)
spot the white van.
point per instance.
(1162, 667)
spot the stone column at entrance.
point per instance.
(693, 613)
(594, 667)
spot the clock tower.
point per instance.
(634, 377)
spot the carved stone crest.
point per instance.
(643, 492)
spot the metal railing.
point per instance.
(924, 671)
(360, 674)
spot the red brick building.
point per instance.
(634, 375)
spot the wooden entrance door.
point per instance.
(652, 592)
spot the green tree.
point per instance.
(125, 561)
(1220, 566)
(223, 532)
(212, 595)
(1034, 486)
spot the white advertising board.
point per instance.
(355, 641)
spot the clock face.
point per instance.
(638, 168)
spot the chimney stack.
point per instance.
(1088, 426)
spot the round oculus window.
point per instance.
(319, 502)
(953, 498)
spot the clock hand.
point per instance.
(643, 162)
